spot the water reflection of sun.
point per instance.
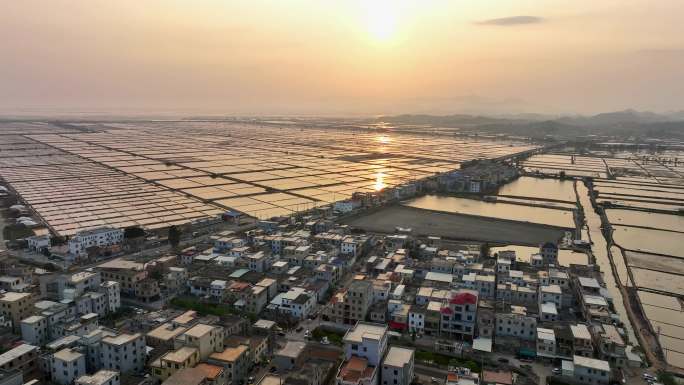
(379, 181)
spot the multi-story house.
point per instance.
(581, 340)
(459, 315)
(398, 366)
(590, 371)
(352, 305)
(15, 307)
(66, 366)
(364, 345)
(173, 361)
(235, 360)
(546, 343)
(104, 238)
(610, 345)
(125, 353)
(516, 323)
(207, 339)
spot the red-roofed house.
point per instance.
(357, 371)
(460, 314)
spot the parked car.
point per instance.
(503, 360)
(299, 329)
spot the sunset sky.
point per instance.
(343, 57)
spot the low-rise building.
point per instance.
(34, 330)
(235, 360)
(290, 356)
(398, 366)
(173, 361)
(459, 315)
(66, 366)
(546, 343)
(124, 353)
(208, 339)
(16, 307)
(589, 371)
(581, 340)
(23, 358)
(516, 323)
(101, 377)
(104, 239)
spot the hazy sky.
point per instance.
(342, 57)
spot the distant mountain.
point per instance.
(627, 123)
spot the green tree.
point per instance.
(174, 236)
(133, 232)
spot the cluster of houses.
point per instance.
(446, 294)
(530, 306)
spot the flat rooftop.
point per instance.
(16, 352)
(121, 339)
(199, 330)
(591, 363)
(229, 354)
(365, 330)
(292, 349)
(398, 356)
(68, 355)
(166, 332)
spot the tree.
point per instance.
(174, 236)
(484, 249)
(133, 232)
(57, 241)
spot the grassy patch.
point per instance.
(202, 308)
(666, 378)
(112, 318)
(428, 357)
(333, 337)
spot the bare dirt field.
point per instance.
(455, 226)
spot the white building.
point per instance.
(587, 370)
(416, 320)
(546, 343)
(346, 205)
(398, 366)
(101, 377)
(516, 324)
(364, 346)
(366, 340)
(67, 365)
(297, 302)
(112, 292)
(34, 330)
(125, 353)
(257, 262)
(484, 284)
(218, 288)
(551, 293)
(548, 312)
(102, 237)
(38, 242)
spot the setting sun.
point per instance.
(382, 19)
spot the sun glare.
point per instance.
(382, 19)
(379, 181)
